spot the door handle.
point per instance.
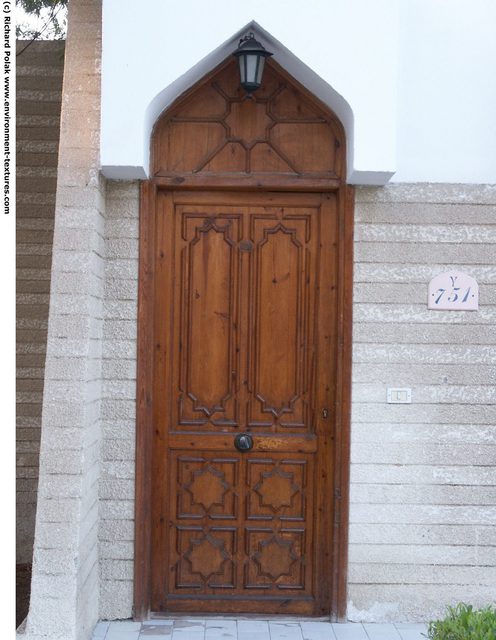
(243, 442)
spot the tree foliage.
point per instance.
(51, 19)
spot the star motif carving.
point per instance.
(275, 557)
(206, 556)
(207, 487)
(248, 121)
(276, 489)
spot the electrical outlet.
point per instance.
(397, 395)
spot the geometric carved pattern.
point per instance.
(281, 286)
(208, 487)
(276, 489)
(206, 556)
(245, 289)
(251, 128)
(218, 129)
(277, 560)
(208, 276)
(209, 304)
(204, 486)
(275, 557)
(245, 285)
(260, 545)
(282, 297)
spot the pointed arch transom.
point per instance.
(215, 129)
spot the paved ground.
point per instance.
(230, 629)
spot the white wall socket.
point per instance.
(397, 395)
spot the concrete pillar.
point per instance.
(64, 595)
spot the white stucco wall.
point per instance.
(447, 92)
(412, 81)
(342, 65)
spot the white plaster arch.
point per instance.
(301, 72)
(345, 54)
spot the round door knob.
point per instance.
(243, 442)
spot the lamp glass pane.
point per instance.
(261, 62)
(251, 68)
(242, 68)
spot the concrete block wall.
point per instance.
(39, 92)
(65, 583)
(116, 532)
(423, 476)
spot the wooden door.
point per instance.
(244, 328)
(244, 331)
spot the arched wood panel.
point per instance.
(244, 327)
(217, 132)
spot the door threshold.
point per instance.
(232, 616)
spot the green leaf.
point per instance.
(463, 622)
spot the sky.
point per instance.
(32, 22)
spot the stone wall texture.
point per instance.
(65, 582)
(116, 532)
(423, 476)
(423, 494)
(39, 92)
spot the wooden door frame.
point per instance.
(144, 380)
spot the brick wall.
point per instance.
(39, 88)
(423, 492)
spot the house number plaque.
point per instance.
(453, 291)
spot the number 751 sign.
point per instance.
(453, 291)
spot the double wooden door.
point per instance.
(244, 340)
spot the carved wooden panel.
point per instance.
(240, 523)
(277, 561)
(206, 289)
(217, 129)
(242, 280)
(204, 559)
(282, 303)
(279, 489)
(206, 487)
(245, 299)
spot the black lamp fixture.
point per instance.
(251, 56)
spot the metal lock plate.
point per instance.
(243, 442)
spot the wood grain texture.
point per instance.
(247, 333)
(216, 130)
(236, 299)
(144, 400)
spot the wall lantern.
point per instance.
(251, 56)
